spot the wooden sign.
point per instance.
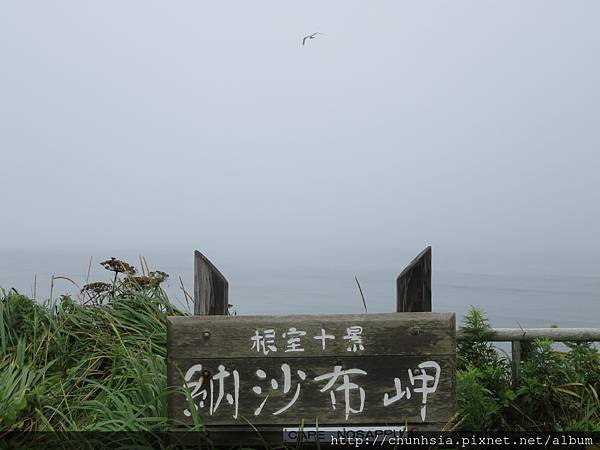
(342, 370)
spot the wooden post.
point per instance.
(516, 363)
(413, 285)
(210, 288)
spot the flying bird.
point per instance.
(310, 36)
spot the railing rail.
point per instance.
(528, 334)
(516, 335)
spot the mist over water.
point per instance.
(154, 128)
(510, 300)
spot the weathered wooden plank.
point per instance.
(389, 333)
(529, 334)
(231, 365)
(210, 288)
(413, 285)
(312, 405)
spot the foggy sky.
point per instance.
(472, 126)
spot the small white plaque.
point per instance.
(341, 435)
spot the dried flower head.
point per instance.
(97, 287)
(116, 265)
(140, 281)
(152, 280)
(159, 276)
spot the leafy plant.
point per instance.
(558, 391)
(473, 349)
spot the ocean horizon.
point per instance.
(280, 288)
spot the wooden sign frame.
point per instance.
(330, 370)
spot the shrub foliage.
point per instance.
(558, 390)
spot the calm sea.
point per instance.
(288, 288)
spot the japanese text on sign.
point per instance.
(277, 393)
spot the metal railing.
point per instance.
(516, 335)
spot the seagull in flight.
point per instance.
(310, 36)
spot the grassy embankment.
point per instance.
(101, 366)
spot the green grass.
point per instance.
(69, 367)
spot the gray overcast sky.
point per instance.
(469, 125)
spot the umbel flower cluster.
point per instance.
(125, 277)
